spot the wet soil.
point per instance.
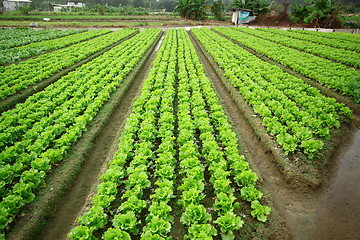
(329, 212)
(336, 213)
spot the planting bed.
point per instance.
(206, 134)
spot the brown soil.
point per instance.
(331, 22)
(283, 20)
(22, 95)
(280, 20)
(78, 173)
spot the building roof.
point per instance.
(239, 9)
(25, 1)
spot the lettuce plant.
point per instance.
(228, 223)
(195, 214)
(126, 222)
(116, 234)
(259, 211)
(201, 231)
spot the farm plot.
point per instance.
(39, 133)
(302, 35)
(177, 162)
(331, 74)
(335, 35)
(15, 37)
(298, 116)
(347, 57)
(37, 48)
(20, 76)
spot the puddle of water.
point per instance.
(338, 216)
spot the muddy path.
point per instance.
(329, 212)
(72, 202)
(338, 215)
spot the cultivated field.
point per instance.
(211, 133)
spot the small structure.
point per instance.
(242, 16)
(13, 5)
(68, 6)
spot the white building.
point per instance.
(68, 5)
(13, 5)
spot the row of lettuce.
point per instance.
(18, 53)
(340, 43)
(39, 133)
(16, 77)
(177, 114)
(345, 56)
(297, 115)
(339, 36)
(332, 74)
(15, 37)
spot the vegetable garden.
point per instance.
(179, 169)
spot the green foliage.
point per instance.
(201, 231)
(49, 122)
(354, 88)
(261, 6)
(156, 227)
(126, 222)
(250, 193)
(95, 217)
(116, 234)
(133, 204)
(100, 9)
(81, 233)
(317, 12)
(217, 8)
(224, 203)
(25, 9)
(160, 210)
(195, 214)
(301, 12)
(228, 223)
(63, 9)
(191, 9)
(258, 6)
(299, 122)
(259, 211)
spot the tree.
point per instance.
(191, 9)
(258, 6)
(261, 6)
(242, 4)
(24, 9)
(217, 8)
(318, 13)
